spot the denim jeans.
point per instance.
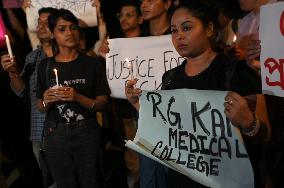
(152, 173)
(74, 153)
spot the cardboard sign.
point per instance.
(82, 9)
(272, 45)
(188, 131)
(149, 58)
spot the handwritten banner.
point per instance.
(150, 57)
(272, 45)
(188, 131)
(82, 9)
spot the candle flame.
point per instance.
(128, 63)
(55, 70)
(235, 38)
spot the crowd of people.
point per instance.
(80, 128)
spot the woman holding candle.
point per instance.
(192, 27)
(72, 135)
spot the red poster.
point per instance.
(12, 3)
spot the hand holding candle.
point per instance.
(8, 44)
(130, 66)
(56, 77)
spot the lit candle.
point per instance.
(129, 65)
(9, 46)
(56, 77)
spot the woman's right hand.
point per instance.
(133, 93)
(50, 96)
(8, 63)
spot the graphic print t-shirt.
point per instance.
(85, 74)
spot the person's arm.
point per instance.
(49, 97)
(250, 48)
(102, 31)
(17, 83)
(70, 94)
(249, 114)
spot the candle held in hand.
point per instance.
(129, 65)
(8, 44)
(56, 77)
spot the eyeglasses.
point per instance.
(127, 15)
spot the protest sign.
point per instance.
(188, 131)
(149, 58)
(82, 9)
(272, 44)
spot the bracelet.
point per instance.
(93, 106)
(253, 129)
(44, 104)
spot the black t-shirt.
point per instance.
(244, 81)
(85, 74)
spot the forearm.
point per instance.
(97, 104)
(17, 84)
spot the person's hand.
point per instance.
(250, 44)
(26, 4)
(253, 53)
(50, 96)
(234, 52)
(8, 63)
(104, 48)
(238, 111)
(66, 93)
(133, 93)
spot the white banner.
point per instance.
(272, 44)
(188, 131)
(150, 57)
(82, 9)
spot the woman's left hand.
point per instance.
(66, 93)
(238, 111)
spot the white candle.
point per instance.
(56, 77)
(8, 44)
(129, 65)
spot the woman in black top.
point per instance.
(72, 139)
(192, 27)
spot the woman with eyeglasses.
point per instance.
(71, 88)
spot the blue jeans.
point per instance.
(74, 153)
(152, 173)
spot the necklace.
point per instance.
(203, 68)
